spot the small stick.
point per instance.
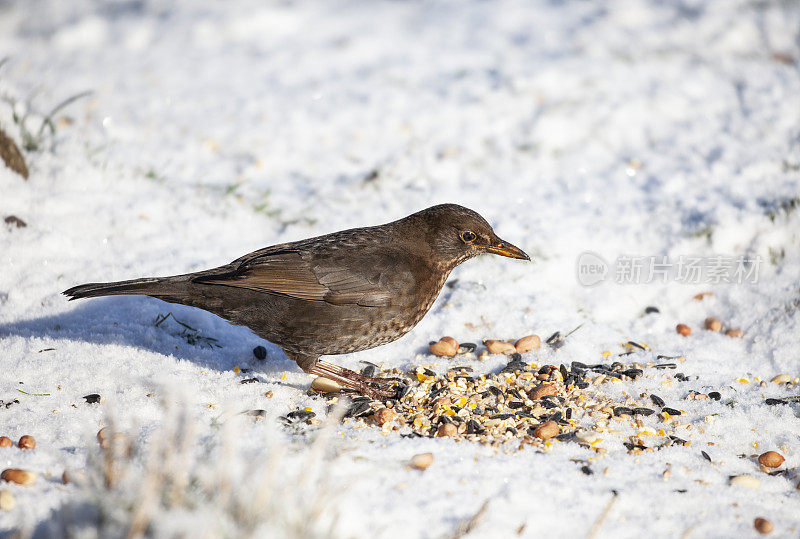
(688, 531)
(601, 518)
(467, 525)
(573, 331)
(34, 394)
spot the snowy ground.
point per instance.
(624, 128)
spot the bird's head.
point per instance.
(455, 234)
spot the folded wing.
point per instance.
(288, 273)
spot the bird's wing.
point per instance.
(335, 280)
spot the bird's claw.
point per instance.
(373, 387)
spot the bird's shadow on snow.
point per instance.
(187, 333)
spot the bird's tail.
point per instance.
(146, 287)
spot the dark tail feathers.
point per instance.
(147, 287)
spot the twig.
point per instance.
(688, 531)
(573, 331)
(34, 394)
(601, 518)
(467, 525)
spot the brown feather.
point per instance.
(288, 274)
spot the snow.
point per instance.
(624, 128)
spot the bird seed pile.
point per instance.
(529, 404)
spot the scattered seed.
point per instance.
(744, 480)
(763, 526)
(325, 385)
(715, 395)
(467, 347)
(587, 436)
(444, 347)
(735, 333)
(527, 343)
(446, 429)
(555, 340)
(546, 430)
(544, 390)
(260, 353)
(13, 220)
(782, 378)
(705, 456)
(384, 415)
(26, 442)
(496, 408)
(103, 434)
(73, 476)
(5, 441)
(359, 409)
(563, 370)
(622, 410)
(658, 401)
(421, 461)
(300, 415)
(473, 427)
(248, 380)
(666, 366)
(7, 501)
(771, 459)
(499, 347)
(651, 310)
(20, 477)
(107, 439)
(683, 329)
(713, 324)
(369, 371)
(631, 447)
(633, 373)
(515, 365)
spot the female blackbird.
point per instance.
(333, 294)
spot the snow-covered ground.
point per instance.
(624, 128)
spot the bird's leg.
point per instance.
(376, 388)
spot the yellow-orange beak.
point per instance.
(503, 248)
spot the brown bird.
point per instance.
(333, 294)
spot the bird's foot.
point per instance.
(376, 388)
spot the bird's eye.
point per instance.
(468, 236)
